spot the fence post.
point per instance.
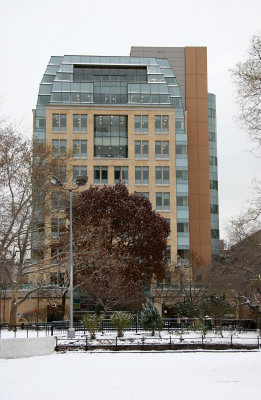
(202, 341)
(52, 329)
(86, 344)
(170, 342)
(136, 324)
(142, 341)
(102, 326)
(231, 341)
(56, 340)
(116, 343)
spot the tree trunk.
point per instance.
(63, 304)
(13, 312)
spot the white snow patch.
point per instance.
(116, 376)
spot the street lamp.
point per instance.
(81, 180)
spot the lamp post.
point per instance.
(81, 180)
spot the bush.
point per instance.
(92, 323)
(121, 320)
(150, 317)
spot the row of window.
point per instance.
(121, 173)
(58, 201)
(141, 123)
(141, 148)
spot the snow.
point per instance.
(164, 375)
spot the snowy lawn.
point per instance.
(113, 376)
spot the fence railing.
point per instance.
(151, 343)
(169, 325)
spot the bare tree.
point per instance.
(247, 79)
(24, 171)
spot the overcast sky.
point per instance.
(33, 30)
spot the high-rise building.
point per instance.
(146, 120)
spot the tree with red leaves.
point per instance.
(119, 244)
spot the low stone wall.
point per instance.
(16, 348)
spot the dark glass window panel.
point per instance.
(137, 175)
(183, 227)
(181, 149)
(157, 123)
(166, 175)
(182, 175)
(214, 233)
(213, 184)
(212, 136)
(213, 208)
(182, 201)
(158, 174)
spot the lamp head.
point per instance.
(81, 180)
(55, 181)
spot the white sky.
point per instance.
(31, 31)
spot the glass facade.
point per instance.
(213, 174)
(111, 136)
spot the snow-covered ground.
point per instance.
(133, 376)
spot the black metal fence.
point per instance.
(169, 325)
(159, 344)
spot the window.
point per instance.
(168, 254)
(212, 160)
(78, 170)
(168, 222)
(141, 175)
(58, 147)
(60, 172)
(58, 226)
(121, 173)
(80, 122)
(183, 227)
(56, 255)
(161, 150)
(162, 175)
(214, 233)
(162, 201)
(142, 149)
(161, 124)
(181, 175)
(213, 184)
(212, 113)
(80, 149)
(213, 208)
(141, 124)
(59, 122)
(58, 201)
(182, 201)
(212, 136)
(100, 175)
(111, 136)
(179, 125)
(144, 194)
(181, 149)
(38, 227)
